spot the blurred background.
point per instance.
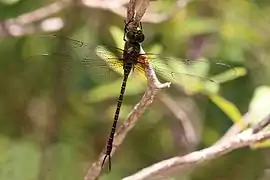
(56, 109)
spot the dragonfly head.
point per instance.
(135, 36)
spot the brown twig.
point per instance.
(236, 128)
(243, 123)
(190, 132)
(261, 125)
(246, 138)
(141, 11)
(135, 11)
(158, 170)
(131, 10)
(117, 7)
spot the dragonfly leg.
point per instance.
(126, 29)
(103, 162)
(140, 25)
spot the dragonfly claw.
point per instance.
(104, 160)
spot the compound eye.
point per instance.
(140, 38)
(130, 35)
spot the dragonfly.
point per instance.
(133, 59)
(130, 58)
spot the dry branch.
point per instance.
(261, 125)
(246, 138)
(135, 11)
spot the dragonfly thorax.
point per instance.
(132, 48)
(131, 52)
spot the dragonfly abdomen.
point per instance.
(127, 70)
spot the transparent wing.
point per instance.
(195, 70)
(171, 69)
(99, 60)
(102, 61)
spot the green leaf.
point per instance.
(258, 109)
(230, 74)
(260, 103)
(227, 107)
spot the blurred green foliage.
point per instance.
(56, 113)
